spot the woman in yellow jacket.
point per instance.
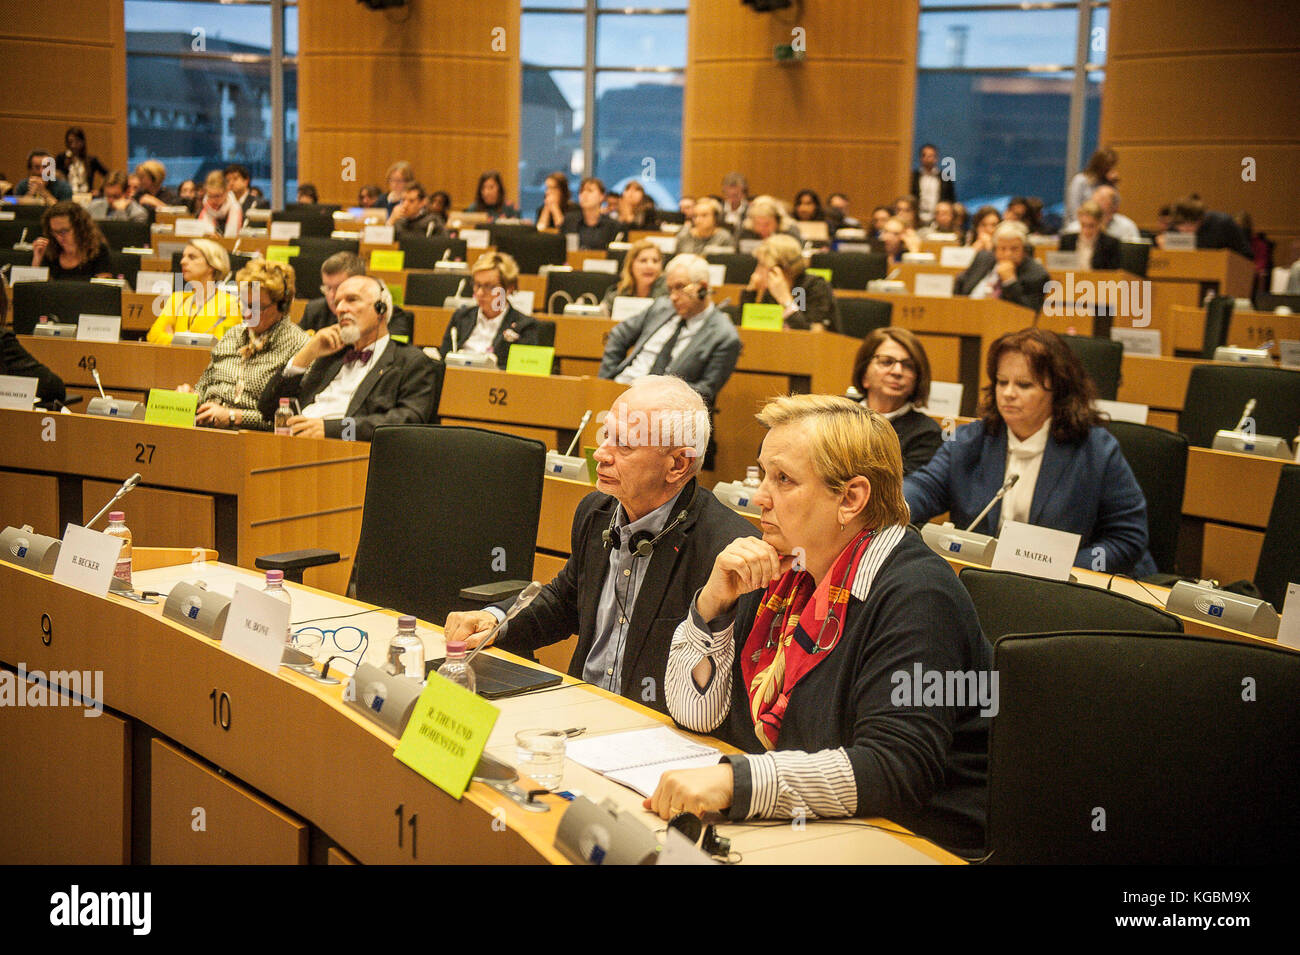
(201, 307)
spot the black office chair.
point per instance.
(11, 231)
(1133, 748)
(1008, 602)
(15, 257)
(1217, 395)
(326, 246)
(423, 252)
(306, 208)
(24, 211)
(1266, 302)
(530, 248)
(446, 509)
(121, 234)
(1158, 459)
(306, 272)
(126, 265)
(852, 270)
(1134, 256)
(316, 220)
(740, 266)
(1279, 557)
(432, 288)
(61, 301)
(563, 288)
(1101, 359)
(858, 317)
(1218, 316)
(669, 218)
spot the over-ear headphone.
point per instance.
(642, 543)
(702, 292)
(384, 304)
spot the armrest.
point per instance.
(494, 592)
(294, 562)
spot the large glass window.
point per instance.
(602, 94)
(199, 87)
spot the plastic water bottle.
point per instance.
(406, 649)
(275, 587)
(282, 416)
(455, 668)
(117, 528)
(751, 476)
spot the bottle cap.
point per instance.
(455, 646)
(284, 402)
(274, 576)
(406, 622)
(117, 515)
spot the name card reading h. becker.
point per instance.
(446, 734)
(87, 559)
(1038, 551)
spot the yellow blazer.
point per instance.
(218, 314)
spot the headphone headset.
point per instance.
(642, 543)
(383, 304)
(702, 292)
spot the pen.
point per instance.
(575, 731)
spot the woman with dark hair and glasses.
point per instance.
(490, 198)
(1037, 420)
(71, 245)
(892, 373)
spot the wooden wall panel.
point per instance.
(422, 83)
(839, 120)
(62, 63)
(1192, 89)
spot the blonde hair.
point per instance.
(766, 206)
(214, 253)
(781, 250)
(848, 441)
(153, 169)
(215, 180)
(626, 281)
(275, 278)
(504, 263)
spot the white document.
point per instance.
(945, 398)
(29, 273)
(17, 392)
(639, 757)
(1037, 551)
(717, 275)
(257, 626)
(476, 238)
(933, 284)
(99, 328)
(1290, 352)
(1288, 631)
(153, 283)
(625, 306)
(190, 228)
(747, 246)
(1137, 341)
(667, 243)
(1058, 260)
(378, 235)
(1123, 410)
(522, 300)
(956, 256)
(1278, 281)
(285, 230)
(87, 559)
(600, 265)
(1182, 241)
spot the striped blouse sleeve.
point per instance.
(701, 709)
(783, 784)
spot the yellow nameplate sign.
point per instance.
(281, 253)
(171, 407)
(824, 273)
(530, 359)
(387, 260)
(769, 318)
(399, 295)
(446, 734)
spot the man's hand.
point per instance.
(325, 342)
(1006, 271)
(301, 427)
(709, 789)
(471, 626)
(747, 563)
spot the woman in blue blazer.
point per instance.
(1037, 420)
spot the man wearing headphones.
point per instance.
(350, 378)
(681, 334)
(643, 543)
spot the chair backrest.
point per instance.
(530, 248)
(431, 288)
(315, 243)
(1007, 602)
(292, 209)
(573, 286)
(860, 316)
(11, 230)
(1266, 301)
(423, 252)
(1218, 315)
(62, 301)
(446, 508)
(10, 256)
(1134, 256)
(306, 271)
(546, 333)
(1136, 748)
(121, 234)
(668, 217)
(1158, 459)
(25, 211)
(1217, 395)
(316, 220)
(852, 270)
(1101, 359)
(125, 264)
(740, 265)
(1279, 557)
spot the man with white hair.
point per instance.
(1113, 222)
(643, 543)
(681, 334)
(1009, 272)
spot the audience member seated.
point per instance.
(202, 307)
(239, 180)
(370, 197)
(18, 361)
(961, 220)
(1009, 272)
(440, 204)
(249, 354)
(636, 210)
(1027, 210)
(645, 490)
(43, 181)
(892, 373)
(491, 325)
(682, 334)
(929, 185)
(983, 223)
(1113, 223)
(1037, 420)
(307, 194)
(71, 245)
(400, 176)
(594, 229)
(879, 216)
(686, 206)
(556, 203)
(905, 212)
(1096, 249)
(943, 222)
(78, 168)
(150, 176)
(808, 207)
(705, 232)
(413, 216)
(791, 651)
(898, 239)
(490, 198)
(352, 377)
(837, 213)
(1213, 230)
(735, 201)
(220, 212)
(642, 275)
(782, 278)
(767, 217)
(323, 311)
(187, 192)
(115, 205)
(1101, 171)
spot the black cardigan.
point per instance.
(920, 437)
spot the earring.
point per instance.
(841, 527)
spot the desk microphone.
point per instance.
(586, 416)
(113, 407)
(455, 345)
(446, 257)
(1007, 485)
(523, 600)
(98, 384)
(460, 290)
(127, 486)
(1245, 414)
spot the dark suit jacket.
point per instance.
(1105, 253)
(819, 302)
(317, 315)
(705, 364)
(17, 360)
(1086, 489)
(525, 326)
(401, 388)
(947, 188)
(919, 437)
(1218, 231)
(1029, 288)
(680, 565)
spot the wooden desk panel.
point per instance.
(31, 499)
(1232, 273)
(133, 366)
(1231, 488)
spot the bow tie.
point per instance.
(353, 354)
